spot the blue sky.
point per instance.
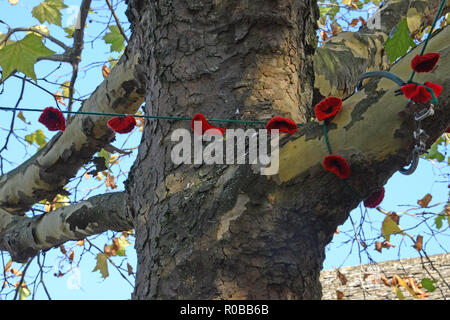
(402, 192)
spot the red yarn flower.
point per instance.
(425, 63)
(375, 199)
(122, 124)
(282, 124)
(328, 108)
(205, 125)
(53, 119)
(419, 93)
(338, 165)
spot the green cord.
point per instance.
(325, 134)
(106, 114)
(346, 185)
(436, 18)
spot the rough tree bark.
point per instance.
(224, 231)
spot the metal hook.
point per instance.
(379, 74)
(425, 113)
(413, 165)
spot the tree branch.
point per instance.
(122, 32)
(374, 129)
(25, 237)
(45, 174)
(339, 62)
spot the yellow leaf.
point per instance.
(399, 293)
(347, 2)
(13, 2)
(102, 265)
(22, 117)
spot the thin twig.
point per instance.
(122, 32)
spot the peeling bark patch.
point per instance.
(231, 215)
(360, 108)
(129, 86)
(81, 221)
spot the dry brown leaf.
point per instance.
(71, 255)
(8, 266)
(62, 249)
(418, 244)
(342, 277)
(394, 217)
(362, 20)
(339, 295)
(109, 181)
(378, 246)
(385, 281)
(105, 71)
(323, 35)
(425, 201)
(354, 22)
(363, 244)
(16, 272)
(59, 98)
(387, 245)
(130, 269)
(337, 231)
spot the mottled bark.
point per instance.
(339, 62)
(214, 231)
(24, 237)
(335, 74)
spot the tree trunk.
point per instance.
(222, 231)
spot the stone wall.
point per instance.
(374, 281)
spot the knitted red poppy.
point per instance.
(338, 165)
(328, 108)
(205, 125)
(425, 63)
(53, 119)
(282, 124)
(122, 124)
(375, 199)
(419, 93)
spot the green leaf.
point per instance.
(106, 155)
(433, 152)
(2, 38)
(37, 137)
(399, 41)
(428, 284)
(439, 219)
(389, 227)
(115, 39)
(102, 265)
(69, 30)
(22, 55)
(50, 11)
